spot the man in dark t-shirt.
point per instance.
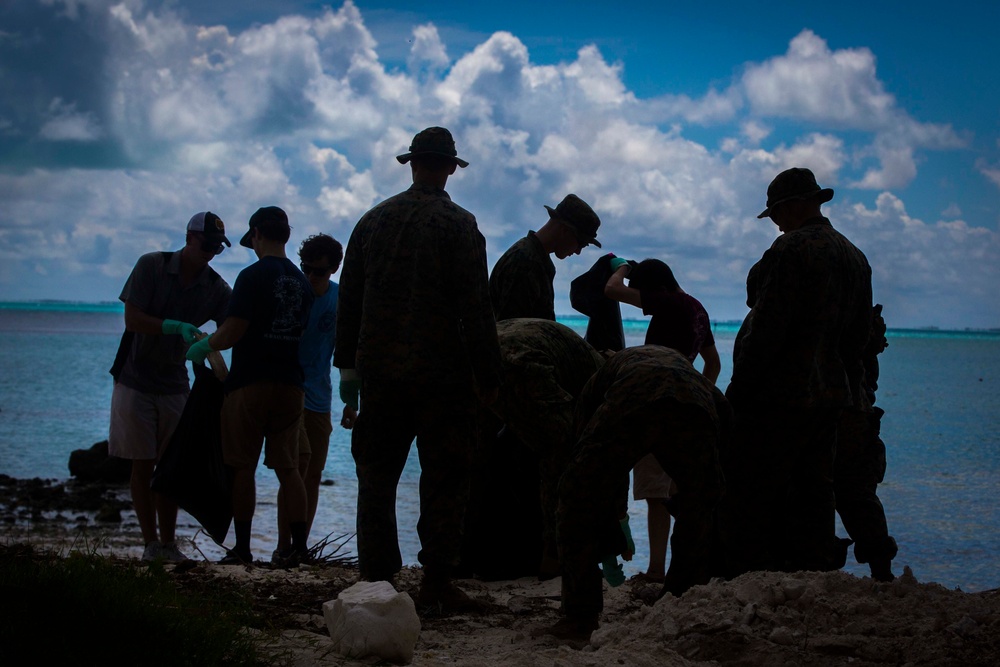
(264, 390)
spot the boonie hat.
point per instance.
(433, 141)
(576, 213)
(794, 183)
(271, 216)
(210, 225)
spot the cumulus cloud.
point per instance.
(65, 123)
(302, 113)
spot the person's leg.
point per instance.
(318, 427)
(305, 455)
(684, 441)
(658, 525)
(380, 443)
(242, 439)
(169, 410)
(446, 438)
(282, 437)
(133, 435)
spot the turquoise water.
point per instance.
(939, 390)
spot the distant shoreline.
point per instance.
(573, 320)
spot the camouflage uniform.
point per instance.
(644, 400)
(860, 466)
(545, 366)
(415, 321)
(796, 365)
(521, 282)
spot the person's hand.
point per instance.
(614, 574)
(350, 388)
(199, 351)
(617, 263)
(628, 539)
(188, 332)
(349, 417)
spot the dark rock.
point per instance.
(95, 465)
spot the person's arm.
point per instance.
(227, 335)
(139, 321)
(617, 289)
(713, 365)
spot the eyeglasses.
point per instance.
(212, 246)
(309, 269)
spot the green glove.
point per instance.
(617, 263)
(188, 331)
(628, 534)
(614, 574)
(199, 350)
(350, 388)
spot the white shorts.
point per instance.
(649, 480)
(141, 423)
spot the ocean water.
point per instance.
(940, 391)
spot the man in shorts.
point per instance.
(264, 396)
(167, 297)
(319, 258)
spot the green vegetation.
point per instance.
(87, 609)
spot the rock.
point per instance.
(95, 465)
(372, 619)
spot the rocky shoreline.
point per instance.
(760, 618)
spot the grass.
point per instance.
(88, 609)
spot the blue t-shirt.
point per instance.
(275, 298)
(316, 350)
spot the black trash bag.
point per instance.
(586, 295)
(191, 471)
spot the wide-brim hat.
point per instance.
(577, 214)
(433, 141)
(794, 183)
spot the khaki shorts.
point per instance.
(141, 423)
(263, 414)
(649, 480)
(314, 439)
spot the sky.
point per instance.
(119, 119)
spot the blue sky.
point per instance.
(120, 119)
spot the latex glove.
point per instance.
(199, 350)
(628, 538)
(189, 332)
(617, 263)
(614, 574)
(350, 388)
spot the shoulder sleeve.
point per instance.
(140, 287)
(241, 301)
(350, 295)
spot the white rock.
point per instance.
(371, 618)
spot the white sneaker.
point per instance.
(172, 554)
(152, 551)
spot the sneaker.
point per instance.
(172, 554)
(233, 558)
(288, 558)
(153, 551)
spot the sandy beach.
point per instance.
(757, 619)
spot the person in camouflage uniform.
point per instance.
(416, 337)
(860, 465)
(644, 400)
(796, 366)
(545, 366)
(521, 281)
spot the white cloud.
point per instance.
(300, 112)
(65, 123)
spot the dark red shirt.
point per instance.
(679, 321)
